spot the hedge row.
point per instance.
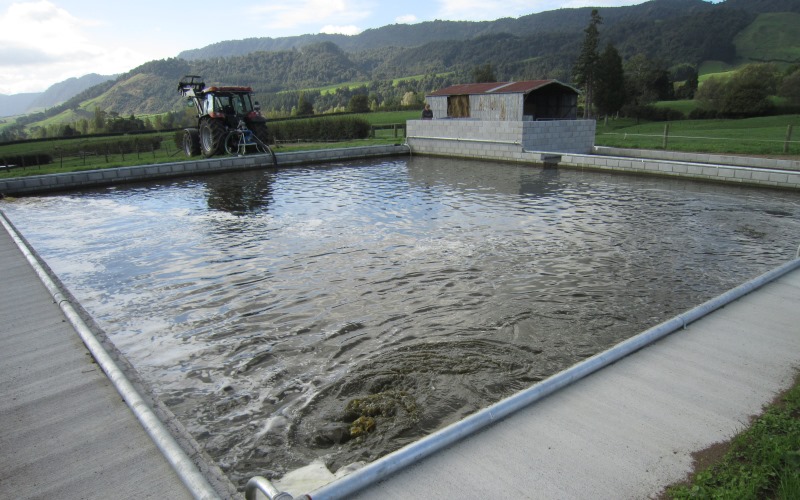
(122, 146)
(340, 128)
(26, 160)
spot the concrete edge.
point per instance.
(205, 466)
(36, 184)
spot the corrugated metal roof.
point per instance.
(498, 88)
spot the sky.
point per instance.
(43, 42)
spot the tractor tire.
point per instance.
(191, 142)
(212, 133)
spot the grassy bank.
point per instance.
(755, 136)
(761, 462)
(751, 136)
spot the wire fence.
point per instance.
(745, 143)
(87, 154)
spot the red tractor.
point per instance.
(227, 120)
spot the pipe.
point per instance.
(418, 450)
(177, 458)
(262, 484)
(458, 139)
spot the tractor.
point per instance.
(227, 120)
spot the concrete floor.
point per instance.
(65, 432)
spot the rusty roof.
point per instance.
(498, 88)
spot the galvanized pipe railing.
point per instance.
(443, 438)
(262, 484)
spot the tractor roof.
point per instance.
(228, 89)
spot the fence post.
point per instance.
(788, 139)
(666, 135)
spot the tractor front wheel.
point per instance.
(191, 142)
(211, 137)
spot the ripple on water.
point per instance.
(337, 313)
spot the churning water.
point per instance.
(342, 311)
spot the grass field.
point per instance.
(771, 37)
(752, 136)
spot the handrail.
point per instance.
(416, 451)
(463, 139)
(262, 484)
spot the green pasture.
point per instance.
(752, 136)
(772, 36)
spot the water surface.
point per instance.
(342, 311)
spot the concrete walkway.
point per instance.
(630, 429)
(65, 432)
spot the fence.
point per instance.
(394, 127)
(44, 158)
(747, 142)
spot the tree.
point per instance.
(646, 81)
(359, 103)
(483, 74)
(790, 87)
(304, 106)
(585, 70)
(609, 93)
(747, 91)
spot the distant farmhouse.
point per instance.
(515, 121)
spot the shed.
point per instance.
(506, 101)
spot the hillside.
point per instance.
(559, 21)
(56, 94)
(771, 37)
(542, 45)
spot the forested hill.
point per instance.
(669, 32)
(559, 21)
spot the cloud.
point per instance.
(485, 10)
(342, 30)
(294, 15)
(407, 19)
(41, 44)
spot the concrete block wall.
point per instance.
(499, 140)
(731, 174)
(713, 158)
(560, 136)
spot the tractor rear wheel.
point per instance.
(211, 137)
(191, 142)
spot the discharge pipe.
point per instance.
(382, 468)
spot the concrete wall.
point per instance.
(499, 140)
(716, 172)
(713, 158)
(119, 175)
